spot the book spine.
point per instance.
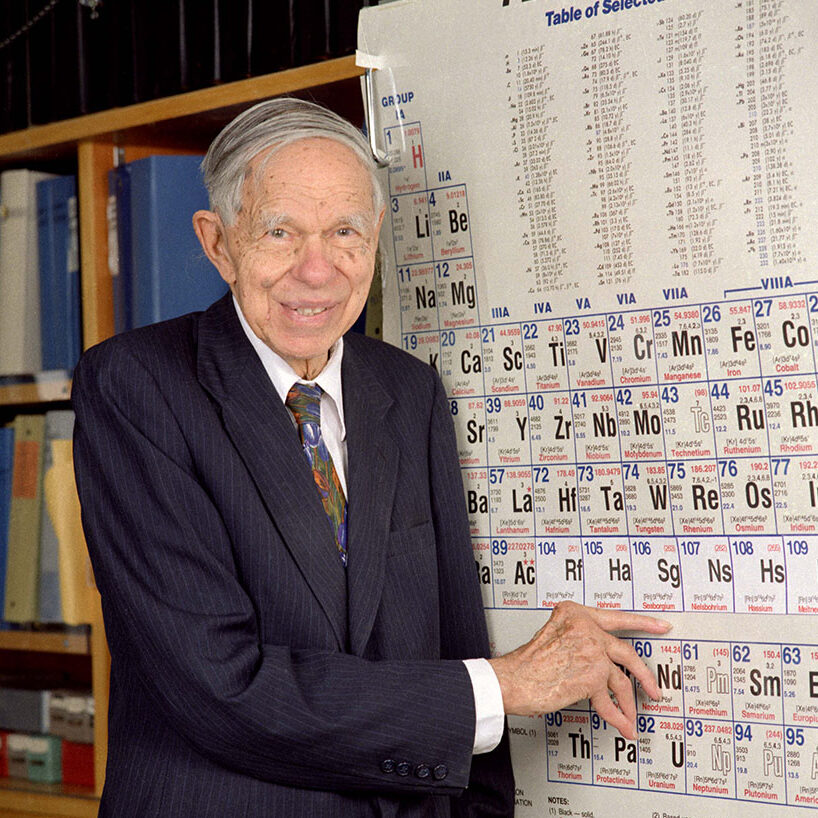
(25, 520)
(6, 467)
(49, 282)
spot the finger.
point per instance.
(607, 710)
(620, 685)
(610, 620)
(623, 654)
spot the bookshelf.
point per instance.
(20, 799)
(46, 387)
(93, 145)
(72, 641)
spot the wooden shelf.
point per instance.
(47, 642)
(127, 125)
(24, 798)
(91, 146)
(46, 387)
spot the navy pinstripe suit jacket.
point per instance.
(251, 675)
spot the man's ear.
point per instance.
(211, 234)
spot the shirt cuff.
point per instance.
(488, 705)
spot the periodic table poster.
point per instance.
(603, 231)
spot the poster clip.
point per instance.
(381, 158)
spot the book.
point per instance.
(200, 30)
(68, 60)
(14, 89)
(158, 47)
(19, 273)
(106, 39)
(25, 520)
(170, 73)
(310, 31)
(6, 466)
(44, 759)
(42, 70)
(233, 39)
(58, 425)
(169, 273)
(65, 568)
(269, 44)
(119, 245)
(77, 764)
(58, 258)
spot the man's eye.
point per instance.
(278, 233)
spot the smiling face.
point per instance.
(301, 254)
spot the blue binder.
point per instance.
(6, 468)
(119, 237)
(169, 273)
(58, 244)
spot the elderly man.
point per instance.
(275, 516)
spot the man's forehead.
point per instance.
(321, 170)
(293, 156)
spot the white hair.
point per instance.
(270, 126)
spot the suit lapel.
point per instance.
(373, 459)
(262, 431)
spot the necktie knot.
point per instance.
(304, 401)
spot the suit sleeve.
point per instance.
(180, 622)
(463, 627)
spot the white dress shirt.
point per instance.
(488, 700)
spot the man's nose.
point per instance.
(314, 264)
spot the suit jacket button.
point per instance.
(403, 768)
(387, 766)
(440, 772)
(423, 771)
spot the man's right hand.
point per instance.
(574, 656)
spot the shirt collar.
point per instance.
(283, 376)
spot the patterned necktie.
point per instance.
(304, 401)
